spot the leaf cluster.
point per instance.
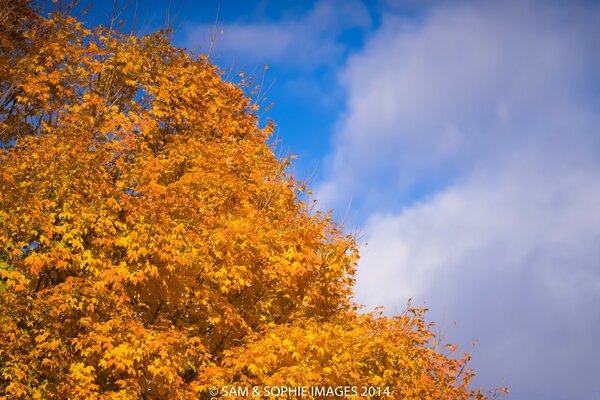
(152, 245)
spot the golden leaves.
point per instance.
(152, 243)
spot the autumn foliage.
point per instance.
(152, 246)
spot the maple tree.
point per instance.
(153, 246)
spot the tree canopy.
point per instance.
(152, 245)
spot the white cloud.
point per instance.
(436, 96)
(512, 255)
(301, 42)
(493, 108)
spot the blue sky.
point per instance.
(463, 138)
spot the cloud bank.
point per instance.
(471, 148)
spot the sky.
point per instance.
(461, 140)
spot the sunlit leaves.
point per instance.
(152, 245)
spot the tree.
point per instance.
(151, 244)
